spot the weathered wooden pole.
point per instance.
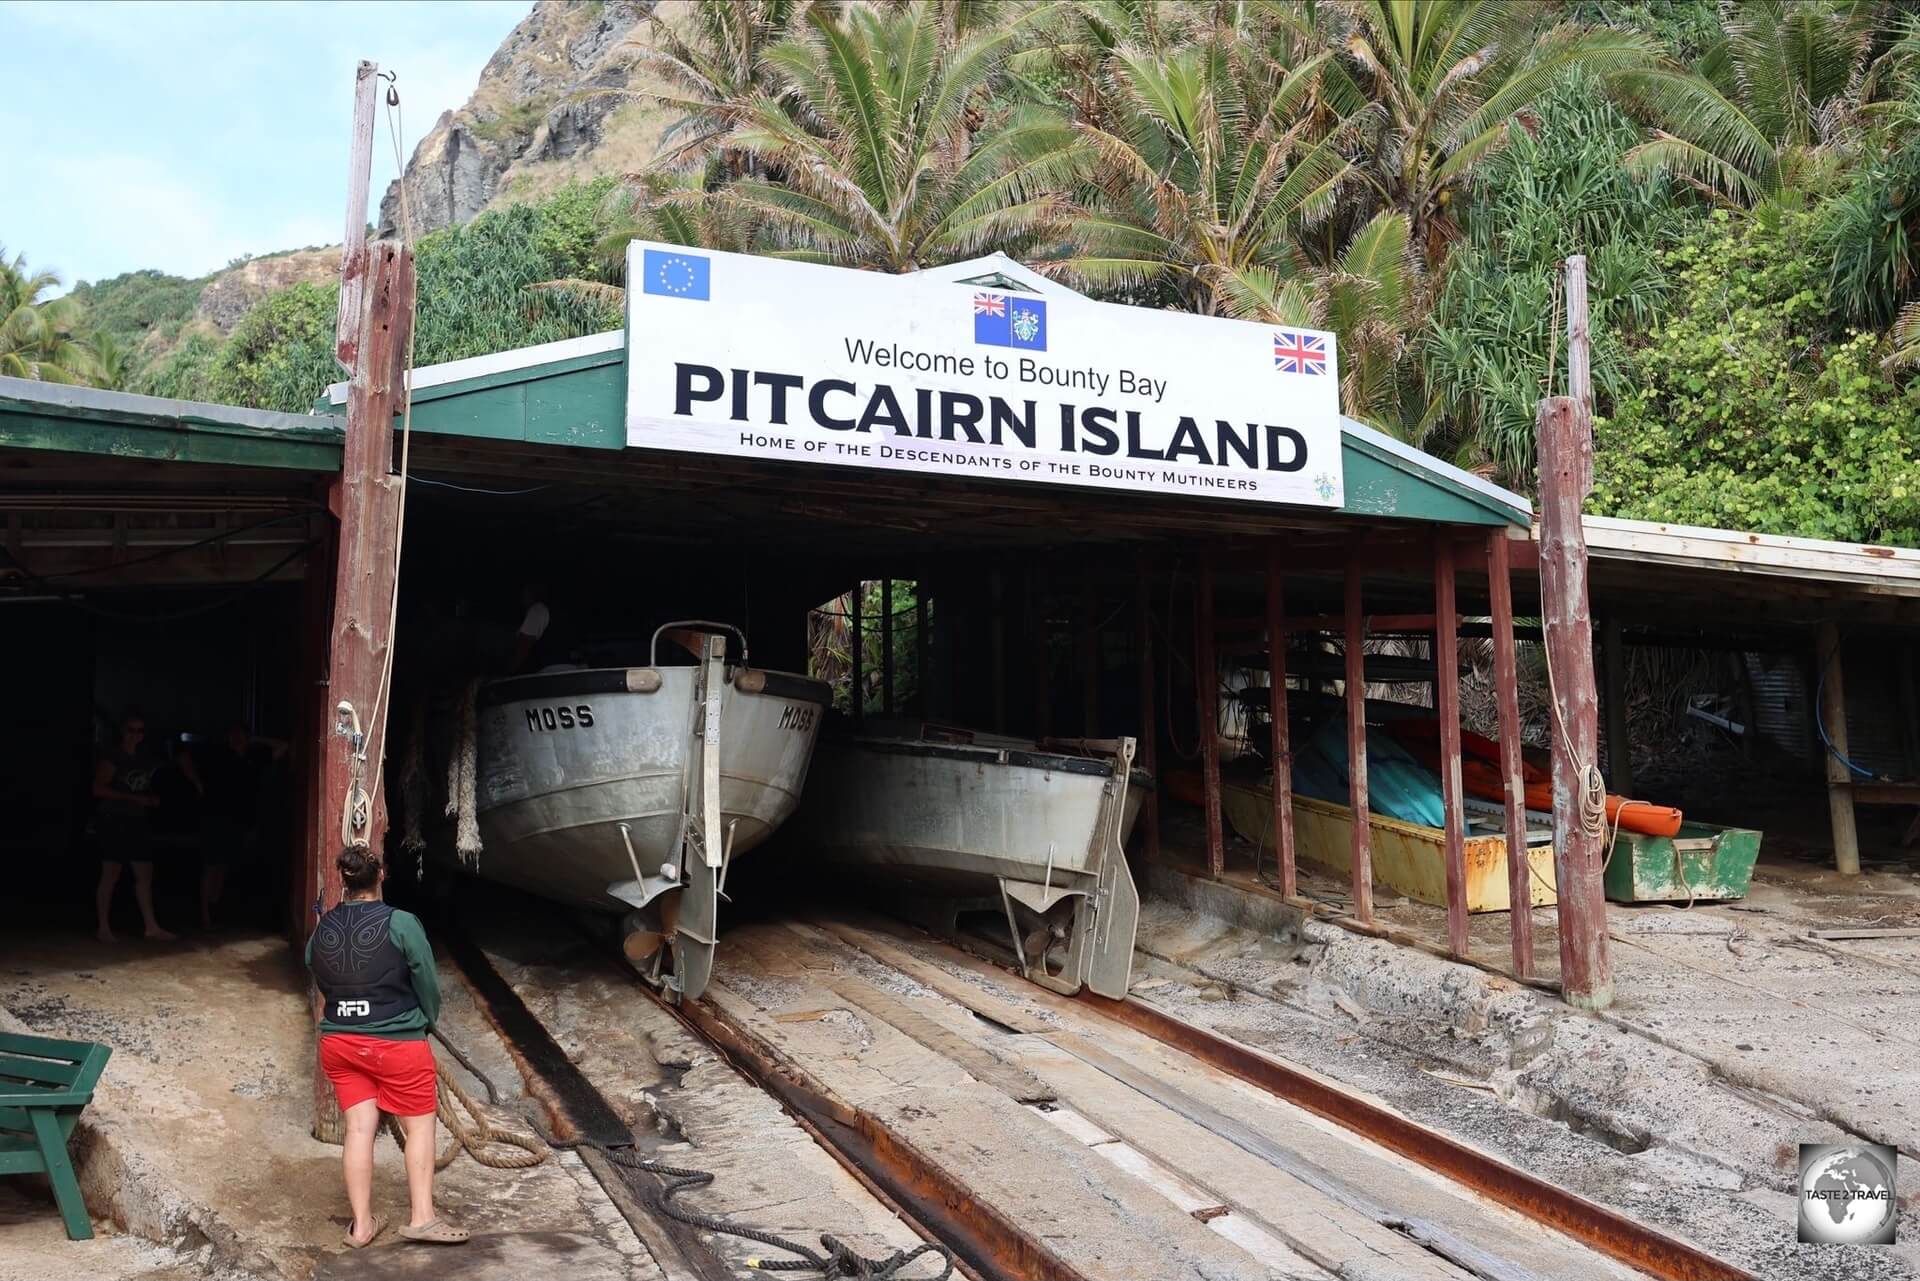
(1281, 748)
(1446, 660)
(1506, 692)
(353, 245)
(1355, 636)
(1578, 827)
(370, 341)
(1580, 353)
(1206, 697)
(1833, 719)
(1149, 742)
(1564, 438)
(365, 501)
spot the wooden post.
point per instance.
(1355, 635)
(922, 645)
(1613, 656)
(1090, 655)
(1566, 452)
(1833, 718)
(886, 646)
(1506, 692)
(353, 246)
(1446, 658)
(365, 503)
(856, 653)
(1281, 748)
(1148, 743)
(1206, 697)
(1579, 354)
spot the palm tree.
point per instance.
(711, 54)
(1450, 77)
(890, 152)
(1777, 86)
(40, 337)
(1217, 155)
(111, 361)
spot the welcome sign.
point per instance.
(730, 354)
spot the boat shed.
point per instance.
(177, 557)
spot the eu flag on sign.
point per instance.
(676, 275)
(1003, 321)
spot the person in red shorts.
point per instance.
(375, 973)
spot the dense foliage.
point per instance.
(1744, 180)
(1756, 414)
(510, 278)
(136, 303)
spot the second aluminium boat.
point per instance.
(1035, 830)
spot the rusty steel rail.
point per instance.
(1593, 1225)
(987, 1246)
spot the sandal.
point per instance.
(354, 1243)
(436, 1232)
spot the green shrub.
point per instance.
(280, 355)
(130, 305)
(1752, 412)
(1557, 189)
(182, 373)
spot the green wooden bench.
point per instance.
(44, 1085)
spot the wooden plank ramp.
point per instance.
(1125, 1157)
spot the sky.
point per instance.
(183, 135)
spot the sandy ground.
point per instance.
(33, 1244)
(198, 1135)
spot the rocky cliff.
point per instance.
(555, 102)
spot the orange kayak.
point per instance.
(1480, 776)
(1622, 812)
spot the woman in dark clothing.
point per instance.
(124, 802)
(375, 972)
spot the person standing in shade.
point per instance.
(374, 969)
(124, 801)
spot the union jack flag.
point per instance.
(989, 305)
(1298, 353)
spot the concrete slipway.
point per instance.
(200, 1162)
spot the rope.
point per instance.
(472, 1130)
(834, 1261)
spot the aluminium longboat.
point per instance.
(1036, 831)
(631, 789)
